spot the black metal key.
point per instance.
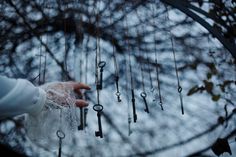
(134, 109)
(85, 116)
(98, 108)
(144, 95)
(81, 126)
(181, 99)
(117, 89)
(61, 135)
(101, 65)
(129, 122)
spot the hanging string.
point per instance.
(156, 63)
(130, 71)
(60, 134)
(99, 65)
(127, 95)
(41, 78)
(143, 94)
(116, 68)
(40, 63)
(63, 9)
(176, 68)
(145, 53)
(98, 55)
(96, 49)
(45, 54)
(158, 79)
(86, 68)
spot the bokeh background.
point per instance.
(55, 40)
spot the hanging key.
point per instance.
(98, 108)
(144, 95)
(61, 135)
(161, 104)
(134, 109)
(117, 89)
(85, 116)
(101, 65)
(129, 123)
(181, 99)
(81, 126)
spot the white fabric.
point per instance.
(19, 96)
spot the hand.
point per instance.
(64, 94)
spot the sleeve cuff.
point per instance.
(38, 107)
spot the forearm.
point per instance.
(20, 96)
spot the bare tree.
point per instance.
(56, 40)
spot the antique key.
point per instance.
(81, 126)
(181, 99)
(101, 65)
(61, 135)
(129, 123)
(134, 109)
(98, 108)
(117, 89)
(144, 95)
(85, 116)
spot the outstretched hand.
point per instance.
(63, 94)
(77, 87)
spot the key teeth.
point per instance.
(146, 110)
(98, 133)
(99, 86)
(80, 128)
(135, 118)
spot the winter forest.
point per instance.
(162, 75)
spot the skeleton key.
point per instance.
(144, 95)
(117, 89)
(101, 65)
(129, 122)
(85, 116)
(160, 103)
(133, 103)
(118, 96)
(181, 99)
(81, 126)
(98, 108)
(61, 135)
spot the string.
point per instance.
(116, 67)
(131, 75)
(127, 96)
(45, 54)
(86, 67)
(156, 63)
(143, 94)
(60, 134)
(40, 63)
(98, 56)
(64, 74)
(176, 68)
(96, 50)
(97, 31)
(146, 56)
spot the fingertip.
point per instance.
(82, 86)
(81, 103)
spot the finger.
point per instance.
(81, 103)
(79, 92)
(81, 86)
